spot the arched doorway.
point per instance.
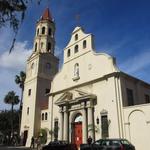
(77, 130)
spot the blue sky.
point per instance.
(121, 28)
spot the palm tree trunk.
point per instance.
(12, 128)
(20, 109)
(22, 89)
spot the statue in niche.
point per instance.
(76, 70)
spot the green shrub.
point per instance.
(43, 136)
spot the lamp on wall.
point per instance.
(97, 120)
(108, 121)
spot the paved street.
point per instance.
(14, 148)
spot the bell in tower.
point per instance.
(45, 29)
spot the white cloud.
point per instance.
(112, 48)
(10, 65)
(17, 58)
(137, 62)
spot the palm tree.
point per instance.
(13, 99)
(20, 79)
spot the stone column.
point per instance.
(61, 125)
(66, 125)
(91, 123)
(84, 126)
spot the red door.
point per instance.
(77, 136)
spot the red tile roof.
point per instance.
(46, 15)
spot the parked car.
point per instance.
(59, 145)
(109, 144)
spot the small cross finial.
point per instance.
(77, 17)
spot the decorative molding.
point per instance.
(26, 127)
(75, 78)
(104, 112)
(85, 83)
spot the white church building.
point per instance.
(88, 96)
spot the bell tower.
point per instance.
(45, 29)
(41, 67)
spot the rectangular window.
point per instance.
(147, 98)
(104, 126)
(56, 129)
(29, 92)
(130, 97)
(28, 111)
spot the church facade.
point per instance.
(88, 96)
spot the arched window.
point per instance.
(49, 46)
(28, 111)
(49, 31)
(37, 31)
(46, 116)
(43, 30)
(84, 44)
(35, 47)
(68, 53)
(76, 49)
(42, 116)
(76, 70)
(76, 37)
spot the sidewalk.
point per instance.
(2, 147)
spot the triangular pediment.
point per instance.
(64, 97)
(73, 96)
(81, 93)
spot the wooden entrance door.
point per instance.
(25, 137)
(77, 136)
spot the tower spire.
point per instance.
(46, 15)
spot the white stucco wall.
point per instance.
(107, 100)
(91, 65)
(92, 69)
(137, 125)
(27, 122)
